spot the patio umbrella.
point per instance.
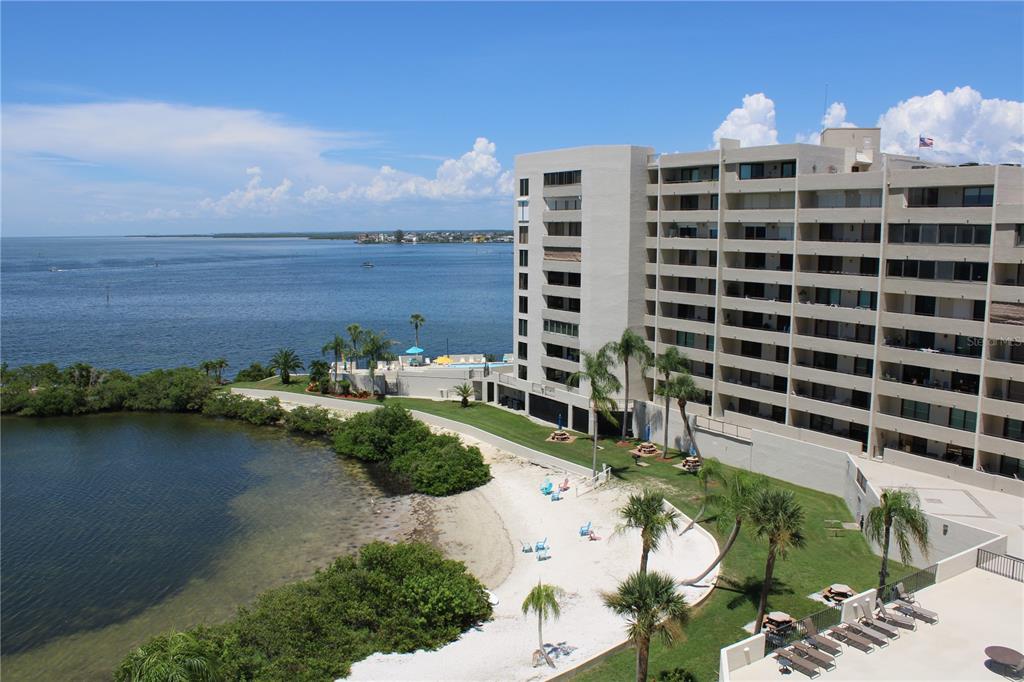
(415, 350)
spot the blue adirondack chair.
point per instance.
(585, 530)
(542, 544)
(547, 487)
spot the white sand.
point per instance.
(484, 527)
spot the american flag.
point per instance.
(923, 141)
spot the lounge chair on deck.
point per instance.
(877, 625)
(874, 636)
(819, 641)
(908, 605)
(542, 544)
(585, 530)
(789, 658)
(846, 634)
(547, 487)
(819, 658)
(527, 547)
(564, 485)
(543, 554)
(893, 618)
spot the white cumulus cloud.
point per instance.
(253, 198)
(834, 117)
(752, 124)
(964, 125)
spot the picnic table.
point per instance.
(1005, 656)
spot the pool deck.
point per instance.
(976, 610)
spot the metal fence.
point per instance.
(783, 637)
(911, 583)
(1000, 564)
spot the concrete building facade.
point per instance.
(830, 293)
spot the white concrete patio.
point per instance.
(976, 609)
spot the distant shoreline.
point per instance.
(332, 236)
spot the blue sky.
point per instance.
(125, 118)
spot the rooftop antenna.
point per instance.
(824, 108)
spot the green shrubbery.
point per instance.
(312, 421)
(234, 406)
(254, 372)
(389, 598)
(432, 464)
(46, 391)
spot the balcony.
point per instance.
(762, 393)
(679, 188)
(756, 305)
(854, 281)
(840, 345)
(806, 247)
(822, 375)
(573, 190)
(683, 243)
(559, 290)
(755, 334)
(757, 245)
(735, 185)
(935, 214)
(674, 270)
(686, 298)
(697, 326)
(566, 216)
(688, 216)
(737, 361)
(922, 429)
(760, 215)
(761, 276)
(929, 323)
(999, 445)
(841, 215)
(835, 408)
(838, 313)
(933, 392)
(553, 241)
(932, 287)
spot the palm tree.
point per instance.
(336, 347)
(778, 518)
(710, 470)
(630, 346)
(206, 366)
(647, 512)
(355, 335)
(219, 365)
(177, 656)
(318, 371)
(899, 511)
(465, 392)
(375, 347)
(543, 600)
(732, 503)
(285, 361)
(682, 388)
(595, 370)
(667, 363)
(417, 321)
(652, 607)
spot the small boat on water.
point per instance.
(367, 264)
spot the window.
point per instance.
(564, 203)
(524, 187)
(750, 349)
(557, 327)
(924, 305)
(522, 210)
(573, 177)
(820, 423)
(524, 234)
(965, 420)
(789, 169)
(863, 366)
(829, 361)
(523, 324)
(714, 206)
(861, 399)
(868, 266)
(522, 372)
(751, 171)
(968, 345)
(913, 409)
(686, 339)
(1013, 429)
(978, 196)
(979, 311)
(781, 354)
(923, 196)
(523, 305)
(524, 280)
(524, 258)
(522, 350)
(867, 299)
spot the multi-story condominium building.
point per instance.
(847, 298)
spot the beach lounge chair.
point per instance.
(543, 554)
(542, 544)
(893, 618)
(788, 658)
(874, 636)
(555, 496)
(877, 625)
(819, 658)
(527, 547)
(820, 641)
(564, 485)
(844, 633)
(585, 530)
(908, 605)
(547, 487)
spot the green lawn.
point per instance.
(719, 620)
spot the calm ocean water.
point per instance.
(177, 301)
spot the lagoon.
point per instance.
(118, 527)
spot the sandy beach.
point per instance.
(486, 527)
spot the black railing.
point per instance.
(911, 583)
(1000, 564)
(782, 637)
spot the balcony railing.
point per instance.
(932, 383)
(1000, 564)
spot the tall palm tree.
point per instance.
(652, 607)
(375, 347)
(417, 321)
(630, 346)
(683, 389)
(285, 361)
(355, 336)
(206, 366)
(465, 392)
(778, 518)
(669, 362)
(710, 470)
(543, 600)
(603, 384)
(177, 656)
(219, 365)
(336, 347)
(648, 512)
(900, 511)
(318, 371)
(732, 503)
